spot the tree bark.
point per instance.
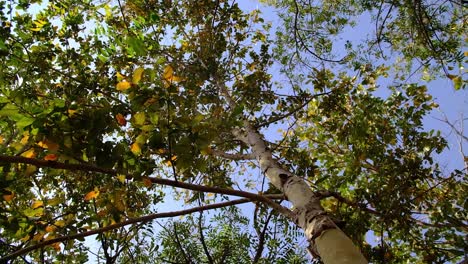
(327, 241)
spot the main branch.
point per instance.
(194, 187)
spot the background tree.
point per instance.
(102, 104)
(422, 38)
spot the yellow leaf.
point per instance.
(123, 85)
(120, 77)
(72, 112)
(171, 161)
(169, 77)
(137, 74)
(210, 194)
(91, 195)
(25, 139)
(1, 139)
(168, 72)
(54, 201)
(139, 118)
(161, 151)
(47, 144)
(40, 23)
(9, 197)
(59, 223)
(121, 178)
(50, 157)
(50, 228)
(36, 29)
(37, 204)
(135, 148)
(29, 154)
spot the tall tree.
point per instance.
(103, 104)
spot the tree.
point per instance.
(105, 103)
(422, 36)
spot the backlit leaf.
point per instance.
(8, 197)
(50, 157)
(135, 148)
(137, 75)
(48, 144)
(29, 154)
(123, 85)
(91, 195)
(121, 178)
(139, 118)
(121, 119)
(37, 204)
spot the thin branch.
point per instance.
(202, 239)
(194, 187)
(179, 245)
(326, 193)
(141, 219)
(232, 156)
(295, 110)
(297, 37)
(261, 239)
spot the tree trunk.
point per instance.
(325, 238)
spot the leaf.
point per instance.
(170, 162)
(38, 236)
(59, 223)
(121, 178)
(168, 72)
(50, 228)
(9, 197)
(169, 77)
(37, 204)
(137, 74)
(91, 195)
(24, 122)
(137, 45)
(72, 112)
(48, 144)
(135, 148)
(139, 118)
(121, 119)
(123, 85)
(120, 77)
(24, 139)
(29, 154)
(50, 157)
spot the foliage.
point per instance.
(137, 89)
(415, 36)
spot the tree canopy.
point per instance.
(110, 108)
